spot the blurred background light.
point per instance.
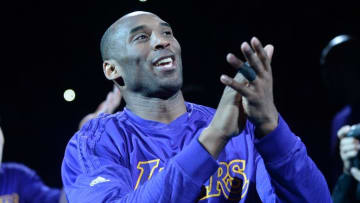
(69, 95)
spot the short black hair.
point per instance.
(343, 49)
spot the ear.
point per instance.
(111, 69)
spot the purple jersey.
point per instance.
(340, 119)
(19, 184)
(124, 158)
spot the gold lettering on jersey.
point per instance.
(147, 168)
(11, 198)
(229, 180)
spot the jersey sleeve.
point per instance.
(34, 189)
(345, 190)
(294, 177)
(95, 170)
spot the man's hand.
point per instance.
(110, 104)
(243, 99)
(257, 96)
(349, 148)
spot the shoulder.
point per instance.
(95, 128)
(99, 123)
(17, 170)
(94, 140)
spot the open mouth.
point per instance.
(166, 62)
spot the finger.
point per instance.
(247, 71)
(102, 108)
(234, 61)
(348, 140)
(343, 131)
(260, 52)
(252, 58)
(117, 92)
(349, 154)
(110, 99)
(269, 49)
(240, 87)
(115, 89)
(350, 147)
(355, 172)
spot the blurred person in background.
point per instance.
(20, 184)
(109, 105)
(347, 188)
(340, 61)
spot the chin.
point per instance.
(166, 91)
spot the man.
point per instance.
(341, 76)
(19, 184)
(347, 188)
(163, 149)
(341, 73)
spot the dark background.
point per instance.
(48, 47)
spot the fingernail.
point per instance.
(225, 79)
(256, 41)
(245, 46)
(229, 56)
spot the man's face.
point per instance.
(149, 56)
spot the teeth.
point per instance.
(165, 60)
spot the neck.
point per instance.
(161, 110)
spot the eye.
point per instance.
(140, 37)
(169, 33)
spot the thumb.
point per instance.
(343, 131)
(269, 49)
(355, 172)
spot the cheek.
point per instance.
(177, 46)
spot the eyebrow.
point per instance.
(141, 27)
(135, 29)
(165, 24)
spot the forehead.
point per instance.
(131, 21)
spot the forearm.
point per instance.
(179, 181)
(213, 141)
(171, 185)
(294, 175)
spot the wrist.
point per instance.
(213, 141)
(346, 168)
(267, 127)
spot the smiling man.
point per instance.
(163, 149)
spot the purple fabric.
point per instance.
(21, 185)
(124, 158)
(340, 119)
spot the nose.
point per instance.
(160, 42)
